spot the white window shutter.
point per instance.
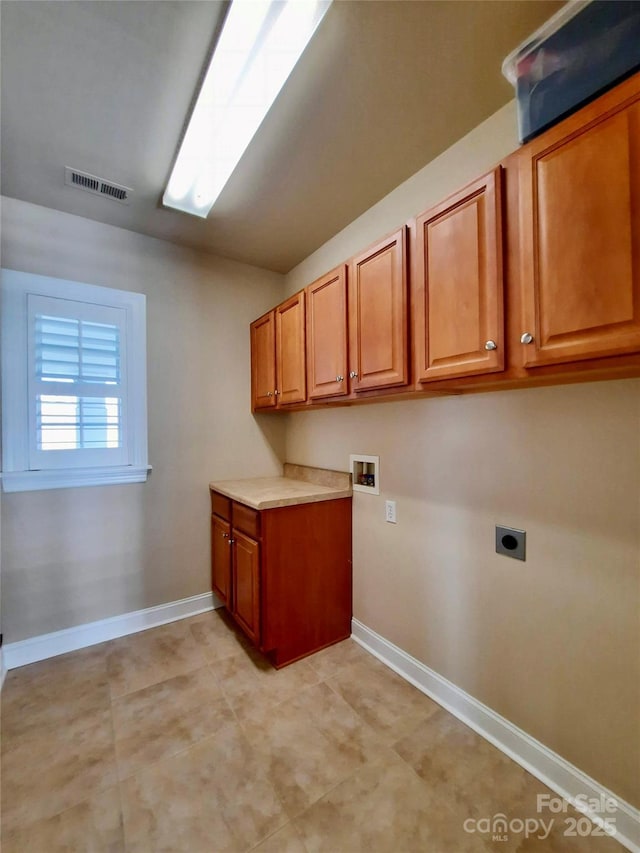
(76, 382)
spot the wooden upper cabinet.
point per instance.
(327, 335)
(580, 231)
(378, 322)
(459, 326)
(290, 351)
(263, 362)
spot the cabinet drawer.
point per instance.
(246, 519)
(220, 505)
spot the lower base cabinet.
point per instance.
(284, 574)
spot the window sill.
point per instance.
(29, 481)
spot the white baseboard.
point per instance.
(547, 766)
(3, 668)
(45, 646)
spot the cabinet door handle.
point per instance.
(231, 541)
(339, 378)
(225, 535)
(526, 338)
(269, 393)
(353, 375)
(491, 345)
(276, 392)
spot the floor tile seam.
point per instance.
(258, 685)
(295, 815)
(123, 830)
(185, 749)
(118, 774)
(219, 684)
(126, 696)
(227, 695)
(221, 659)
(298, 815)
(156, 761)
(354, 709)
(193, 707)
(25, 825)
(76, 802)
(276, 793)
(229, 631)
(229, 828)
(89, 680)
(275, 832)
(423, 782)
(25, 737)
(274, 706)
(337, 668)
(113, 745)
(47, 703)
(171, 757)
(205, 650)
(429, 786)
(332, 787)
(151, 684)
(248, 849)
(309, 719)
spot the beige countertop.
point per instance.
(297, 486)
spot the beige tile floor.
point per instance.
(182, 738)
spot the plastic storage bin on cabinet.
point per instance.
(584, 49)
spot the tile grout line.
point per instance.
(206, 662)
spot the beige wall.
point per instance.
(553, 643)
(71, 556)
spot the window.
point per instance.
(73, 384)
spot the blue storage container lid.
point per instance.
(575, 35)
(583, 50)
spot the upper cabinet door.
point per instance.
(378, 344)
(263, 362)
(580, 227)
(290, 349)
(459, 327)
(327, 335)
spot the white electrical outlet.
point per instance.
(390, 512)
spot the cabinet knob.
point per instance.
(231, 541)
(353, 375)
(491, 345)
(269, 393)
(276, 392)
(526, 338)
(339, 378)
(225, 535)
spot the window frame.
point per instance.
(16, 358)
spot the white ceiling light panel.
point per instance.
(260, 43)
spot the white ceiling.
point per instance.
(105, 86)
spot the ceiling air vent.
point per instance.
(97, 186)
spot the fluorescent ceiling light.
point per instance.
(260, 43)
